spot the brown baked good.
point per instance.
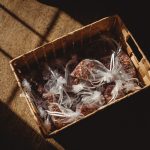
(127, 64)
(86, 109)
(81, 71)
(107, 92)
(58, 123)
(125, 61)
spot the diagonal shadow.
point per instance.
(5, 53)
(49, 28)
(16, 134)
(15, 88)
(12, 95)
(84, 11)
(22, 22)
(43, 39)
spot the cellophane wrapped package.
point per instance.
(70, 91)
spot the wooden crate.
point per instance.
(25, 63)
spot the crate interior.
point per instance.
(81, 44)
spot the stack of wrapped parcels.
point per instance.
(81, 86)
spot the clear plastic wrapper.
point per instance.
(71, 95)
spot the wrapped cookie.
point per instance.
(62, 116)
(90, 102)
(108, 92)
(125, 61)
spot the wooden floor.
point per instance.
(26, 24)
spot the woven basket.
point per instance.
(66, 46)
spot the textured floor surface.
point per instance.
(26, 24)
